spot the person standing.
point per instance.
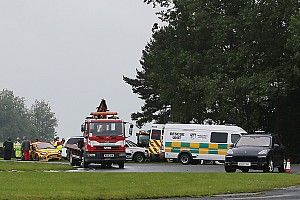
(17, 148)
(7, 149)
(26, 148)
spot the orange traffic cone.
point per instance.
(288, 166)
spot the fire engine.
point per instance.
(104, 140)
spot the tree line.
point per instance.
(232, 61)
(16, 120)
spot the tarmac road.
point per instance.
(167, 167)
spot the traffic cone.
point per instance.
(288, 166)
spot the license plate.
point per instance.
(109, 155)
(244, 164)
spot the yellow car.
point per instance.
(44, 151)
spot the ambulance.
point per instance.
(191, 143)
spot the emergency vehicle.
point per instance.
(104, 140)
(142, 138)
(190, 143)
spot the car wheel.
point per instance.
(270, 166)
(230, 169)
(36, 157)
(245, 170)
(72, 160)
(138, 157)
(68, 155)
(281, 167)
(121, 165)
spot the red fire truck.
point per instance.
(104, 140)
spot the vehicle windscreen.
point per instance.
(45, 146)
(258, 141)
(106, 129)
(74, 140)
(143, 139)
(131, 144)
(155, 134)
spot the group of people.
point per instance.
(21, 149)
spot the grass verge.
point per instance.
(32, 166)
(90, 185)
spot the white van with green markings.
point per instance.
(190, 143)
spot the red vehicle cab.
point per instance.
(104, 142)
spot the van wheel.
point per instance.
(139, 157)
(185, 158)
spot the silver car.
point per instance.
(134, 152)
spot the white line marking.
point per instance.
(265, 197)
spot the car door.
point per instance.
(278, 152)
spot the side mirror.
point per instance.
(80, 144)
(276, 145)
(231, 146)
(82, 127)
(130, 129)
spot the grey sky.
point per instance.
(71, 53)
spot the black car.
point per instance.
(255, 151)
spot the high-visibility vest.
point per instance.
(18, 151)
(59, 147)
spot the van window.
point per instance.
(235, 137)
(218, 137)
(155, 134)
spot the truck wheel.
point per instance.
(84, 163)
(139, 157)
(121, 165)
(185, 158)
(229, 169)
(106, 165)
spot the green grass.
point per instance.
(32, 166)
(90, 185)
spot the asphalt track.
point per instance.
(167, 167)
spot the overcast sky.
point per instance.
(72, 53)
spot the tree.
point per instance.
(225, 60)
(18, 121)
(14, 117)
(44, 121)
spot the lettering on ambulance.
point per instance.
(176, 135)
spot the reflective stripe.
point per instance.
(154, 146)
(197, 148)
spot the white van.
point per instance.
(190, 143)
